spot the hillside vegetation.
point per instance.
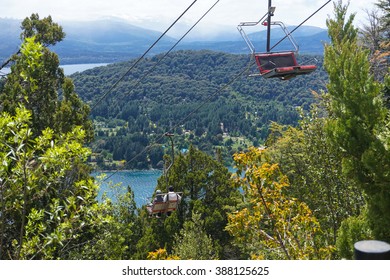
(311, 192)
(185, 95)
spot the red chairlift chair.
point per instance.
(282, 65)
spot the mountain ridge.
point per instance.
(114, 40)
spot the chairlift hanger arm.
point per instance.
(252, 23)
(243, 33)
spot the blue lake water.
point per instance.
(142, 182)
(69, 69)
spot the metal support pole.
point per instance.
(172, 155)
(172, 147)
(269, 26)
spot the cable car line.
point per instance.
(281, 40)
(174, 46)
(278, 64)
(147, 148)
(181, 122)
(141, 57)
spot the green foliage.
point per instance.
(45, 30)
(358, 120)
(72, 111)
(48, 199)
(115, 231)
(314, 170)
(45, 198)
(270, 224)
(186, 84)
(36, 82)
(352, 230)
(208, 192)
(193, 243)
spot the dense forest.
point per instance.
(319, 183)
(192, 94)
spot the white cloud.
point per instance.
(158, 14)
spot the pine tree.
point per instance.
(193, 243)
(357, 122)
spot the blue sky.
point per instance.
(158, 14)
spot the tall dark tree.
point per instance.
(37, 82)
(45, 30)
(48, 199)
(358, 122)
(207, 191)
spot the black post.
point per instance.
(269, 26)
(170, 135)
(372, 250)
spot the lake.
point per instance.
(69, 69)
(142, 182)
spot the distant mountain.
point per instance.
(112, 40)
(313, 44)
(105, 31)
(107, 41)
(9, 37)
(277, 33)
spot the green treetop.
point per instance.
(358, 119)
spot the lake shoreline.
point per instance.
(69, 69)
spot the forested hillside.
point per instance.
(314, 190)
(185, 93)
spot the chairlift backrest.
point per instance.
(159, 197)
(281, 65)
(269, 61)
(172, 205)
(159, 207)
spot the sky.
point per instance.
(159, 14)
